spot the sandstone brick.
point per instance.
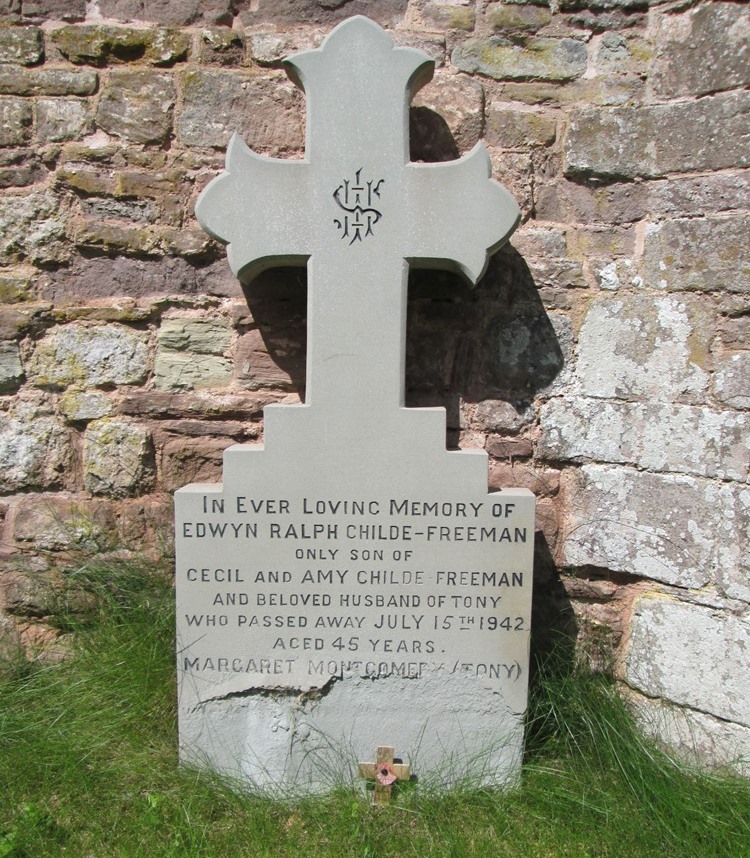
(616, 203)
(84, 405)
(699, 740)
(107, 208)
(514, 170)
(692, 656)
(512, 128)
(15, 121)
(323, 12)
(659, 437)
(517, 18)
(671, 528)
(55, 10)
(641, 347)
(128, 238)
(625, 142)
(59, 119)
(495, 415)
(732, 380)
(256, 368)
(530, 59)
(99, 44)
(211, 337)
(458, 103)
(610, 90)
(93, 355)
(702, 50)
(267, 112)
(617, 53)
(698, 195)
(568, 5)
(222, 46)
(509, 448)
(450, 16)
(137, 106)
(117, 458)
(100, 277)
(202, 404)
(19, 168)
(63, 522)
(172, 13)
(31, 228)
(22, 45)
(268, 48)
(35, 450)
(188, 371)
(544, 482)
(700, 254)
(187, 460)
(598, 20)
(22, 319)
(735, 332)
(16, 284)
(47, 81)
(11, 369)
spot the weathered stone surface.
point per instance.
(514, 171)
(531, 59)
(94, 232)
(256, 368)
(691, 656)
(56, 10)
(35, 449)
(187, 371)
(698, 195)
(625, 142)
(667, 527)
(19, 168)
(328, 12)
(700, 740)
(267, 112)
(732, 380)
(21, 319)
(509, 448)
(513, 128)
(11, 370)
(117, 458)
(495, 415)
(64, 522)
(16, 284)
(99, 44)
(94, 355)
(203, 404)
(701, 254)
(517, 18)
(137, 106)
(47, 81)
(450, 16)
(616, 203)
(735, 331)
(223, 46)
(702, 50)
(607, 91)
(268, 48)
(458, 103)
(544, 482)
(641, 347)
(22, 45)
(173, 13)
(622, 54)
(85, 405)
(101, 277)
(208, 337)
(31, 228)
(568, 5)
(192, 460)
(60, 119)
(15, 121)
(673, 438)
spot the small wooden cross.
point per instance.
(384, 772)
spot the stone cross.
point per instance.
(357, 211)
(385, 772)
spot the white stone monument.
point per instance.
(351, 584)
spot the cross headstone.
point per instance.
(352, 577)
(384, 772)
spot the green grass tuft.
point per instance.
(88, 767)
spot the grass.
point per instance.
(88, 769)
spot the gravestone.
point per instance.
(351, 584)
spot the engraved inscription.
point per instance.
(357, 199)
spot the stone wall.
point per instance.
(603, 361)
